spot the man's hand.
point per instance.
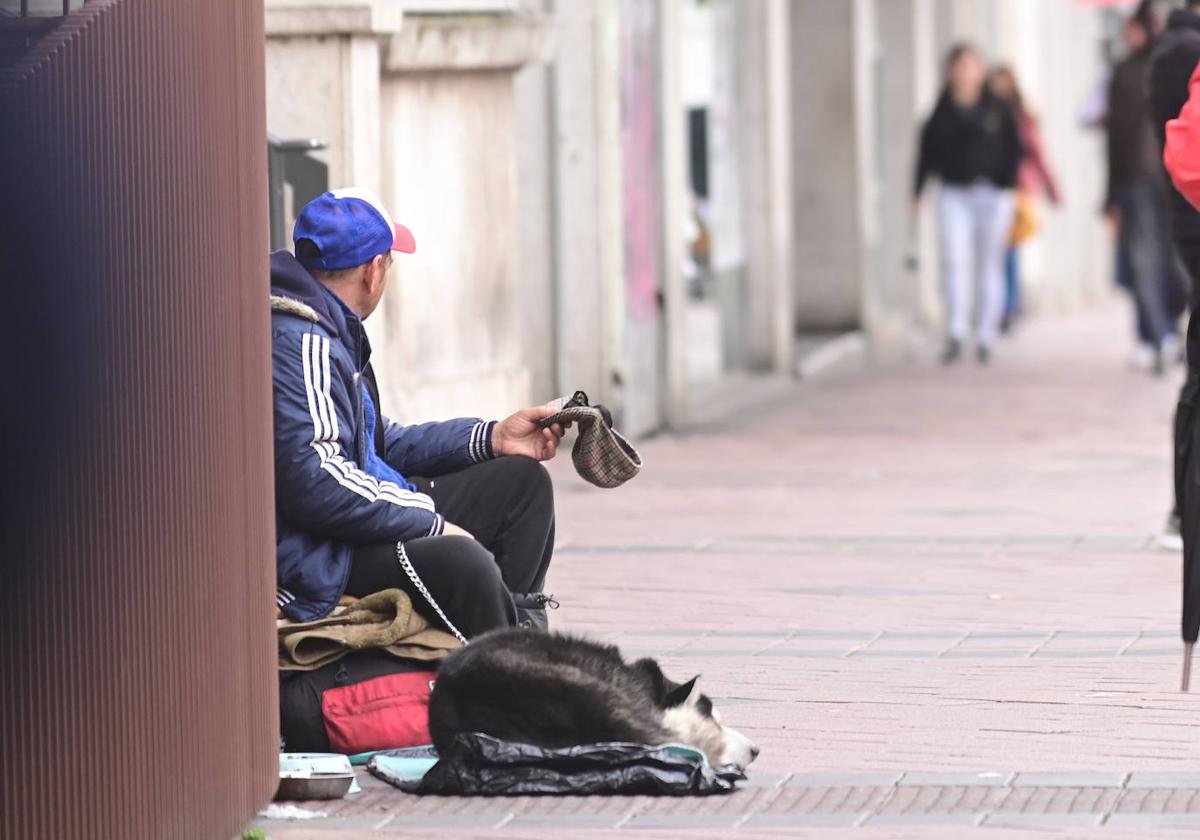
(452, 530)
(522, 434)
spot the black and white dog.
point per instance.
(552, 690)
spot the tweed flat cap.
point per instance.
(601, 456)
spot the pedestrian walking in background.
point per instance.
(1094, 115)
(1034, 177)
(1136, 200)
(1182, 158)
(1174, 59)
(1154, 15)
(971, 144)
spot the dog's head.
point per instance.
(691, 719)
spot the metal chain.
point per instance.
(407, 565)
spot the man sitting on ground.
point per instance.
(459, 514)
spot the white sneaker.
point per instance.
(1143, 357)
(1170, 542)
(1172, 349)
(1170, 539)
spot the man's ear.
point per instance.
(680, 694)
(376, 271)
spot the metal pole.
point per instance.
(24, 8)
(1187, 664)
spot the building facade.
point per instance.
(648, 199)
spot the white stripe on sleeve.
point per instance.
(315, 353)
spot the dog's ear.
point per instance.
(681, 694)
(649, 671)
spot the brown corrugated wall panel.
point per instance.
(137, 681)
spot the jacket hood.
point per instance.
(1183, 19)
(295, 291)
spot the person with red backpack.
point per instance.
(1181, 140)
(1181, 156)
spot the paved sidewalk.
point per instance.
(933, 597)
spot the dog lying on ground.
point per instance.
(552, 690)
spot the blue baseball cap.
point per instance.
(348, 227)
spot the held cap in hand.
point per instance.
(601, 456)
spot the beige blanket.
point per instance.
(385, 621)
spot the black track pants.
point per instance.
(1187, 445)
(508, 506)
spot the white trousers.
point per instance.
(975, 223)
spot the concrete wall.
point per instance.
(726, 155)
(899, 300)
(1070, 261)
(458, 330)
(767, 184)
(545, 197)
(537, 251)
(584, 184)
(504, 137)
(323, 67)
(653, 170)
(828, 224)
(425, 110)
(449, 333)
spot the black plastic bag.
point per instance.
(479, 765)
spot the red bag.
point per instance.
(386, 712)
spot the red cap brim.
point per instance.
(402, 240)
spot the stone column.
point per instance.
(904, 295)
(581, 189)
(1069, 262)
(829, 252)
(537, 252)
(673, 169)
(767, 184)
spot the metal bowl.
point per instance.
(314, 786)
(314, 776)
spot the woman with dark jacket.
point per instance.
(971, 144)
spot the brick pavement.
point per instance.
(932, 596)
